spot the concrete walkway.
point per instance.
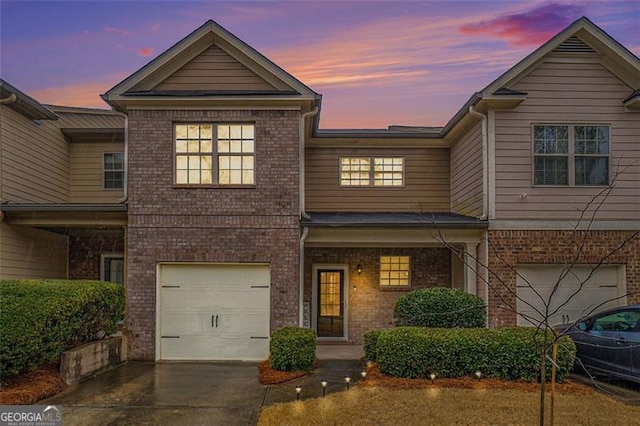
(224, 393)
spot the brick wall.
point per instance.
(369, 305)
(210, 224)
(508, 249)
(85, 248)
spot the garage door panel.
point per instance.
(599, 287)
(217, 311)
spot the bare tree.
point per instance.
(549, 305)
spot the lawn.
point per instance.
(435, 405)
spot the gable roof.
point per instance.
(23, 103)
(580, 36)
(141, 83)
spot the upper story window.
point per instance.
(113, 165)
(214, 154)
(394, 271)
(371, 171)
(571, 155)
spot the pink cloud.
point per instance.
(155, 27)
(81, 94)
(145, 51)
(117, 30)
(529, 28)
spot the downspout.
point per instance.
(303, 213)
(5, 101)
(485, 162)
(125, 194)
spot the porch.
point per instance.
(356, 266)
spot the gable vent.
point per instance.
(573, 45)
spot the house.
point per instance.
(213, 195)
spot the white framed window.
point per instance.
(372, 171)
(214, 154)
(112, 267)
(394, 271)
(113, 170)
(571, 155)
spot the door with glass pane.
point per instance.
(330, 303)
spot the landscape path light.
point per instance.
(324, 387)
(298, 390)
(347, 380)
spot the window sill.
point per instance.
(395, 288)
(214, 186)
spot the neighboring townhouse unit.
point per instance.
(228, 213)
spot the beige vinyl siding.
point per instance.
(214, 69)
(466, 173)
(87, 173)
(567, 91)
(35, 159)
(426, 181)
(31, 253)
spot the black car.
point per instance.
(609, 343)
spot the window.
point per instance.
(394, 271)
(573, 155)
(221, 154)
(113, 165)
(112, 267)
(358, 171)
(618, 321)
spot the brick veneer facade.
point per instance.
(172, 224)
(508, 249)
(85, 248)
(370, 306)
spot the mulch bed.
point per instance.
(376, 379)
(31, 387)
(269, 376)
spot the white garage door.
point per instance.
(606, 284)
(213, 312)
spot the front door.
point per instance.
(330, 307)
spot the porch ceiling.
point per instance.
(434, 220)
(392, 229)
(64, 214)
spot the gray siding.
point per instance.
(426, 181)
(567, 91)
(466, 173)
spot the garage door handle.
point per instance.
(216, 321)
(212, 320)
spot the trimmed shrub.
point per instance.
(440, 307)
(511, 353)
(292, 348)
(40, 319)
(370, 343)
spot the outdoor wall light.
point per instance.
(478, 374)
(363, 374)
(432, 376)
(324, 386)
(359, 268)
(298, 390)
(347, 380)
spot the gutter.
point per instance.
(303, 213)
(485, 162)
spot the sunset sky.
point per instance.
(375, 63)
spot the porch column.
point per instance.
(470, 268)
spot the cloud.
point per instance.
(145, 51)
(529, 28)
(122, 32)
(83, 94)
(155, 27)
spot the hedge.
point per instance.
(370, 341)
(511, 353)
(440, 307)
(292, 348)
(40, 319)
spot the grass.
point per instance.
(436, 405)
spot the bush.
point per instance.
(508, 353)
(370, 343)
(440, 307)
(40, 319)
(292, 348)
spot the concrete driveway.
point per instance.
(187, 393)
